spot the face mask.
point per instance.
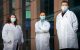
(42, 17)
(64, 8)
(13, 20)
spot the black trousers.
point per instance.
(69, 49)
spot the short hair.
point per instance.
(65, 2)
(42, 12)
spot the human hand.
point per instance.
(9, 42)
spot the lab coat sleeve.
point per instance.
(37, 28)
(22, 40)
(74, 22)
(21, 37)
(46, 27)
(5, 34)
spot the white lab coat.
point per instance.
(11, 33)
(42, 35)
(66, 30)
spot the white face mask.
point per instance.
(42, 17)
(13, 20)
(64, 8)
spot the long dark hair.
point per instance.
(9, 19)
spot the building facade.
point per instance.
(27, 12)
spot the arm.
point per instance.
(5, 34)
(37, 28)
(46, 27)
(74, 22)
(21, 39)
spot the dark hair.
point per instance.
(9, 19)
(65, 2)
(42, 12)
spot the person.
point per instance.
(12, 34)
(42, 33)
(66, 26)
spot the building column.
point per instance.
(18, 10)
(5, 9)
(34, 15)
(38, 8)
(57, 7)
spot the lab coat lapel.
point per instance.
(67, 20)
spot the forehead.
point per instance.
(12, 15)
(65, 4)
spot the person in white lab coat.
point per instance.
(42, 33)
(66, 26)
(12, 34)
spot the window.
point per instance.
(28, 14)
(47, 6)
(1, 23)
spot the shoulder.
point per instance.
(37, 22)
(6, 25)
(71, 12)
(58, 15)
(47, 22)
(18, 26)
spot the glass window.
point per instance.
(1, 23)
(28, 24)
(28, 14)
(47, 6)
(75, 7)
